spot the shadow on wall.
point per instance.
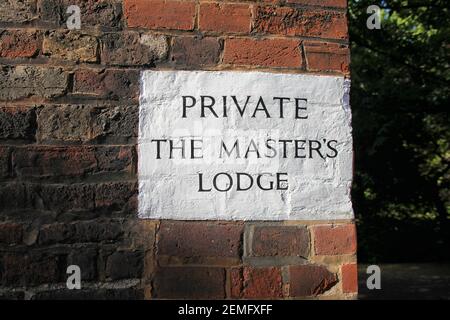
(424, 281)
(385, 239)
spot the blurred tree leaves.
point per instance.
(401, 100)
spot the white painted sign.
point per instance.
(244, 146)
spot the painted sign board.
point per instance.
(244, 146)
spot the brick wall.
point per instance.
(68, 129)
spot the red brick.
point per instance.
(196, 51)
(256, 283)
(267, 52)
(11, 233)
(190, 283)
(335, 240)
(19, 43)
(44, 162)
(200, 239)
(300, 22)
(322, 56)
(225, 17)
(349, 278)
(323, 3)
(160, 14)
(310, 280)
(112, 83)
(280, 241)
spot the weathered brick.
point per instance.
(54, 197)
(17, 123)
(335, 239)
(300, 22)
(11, 233)
(190, 283)
(160, 14)
(280, 241)
(30, 268)
(17, 11)
(326, 57)
(225, 17)
(70, 45)
(5, 170)
(266, 52)
(13, 196)
(20, 43)
(45, 162)
(86, 259)
(196, 51)
(200, 239)
(141, 233)
(87, 123)
(256, 283)
(323, 3)
(27, 81)
(80, 232)
(310, 280)
(125, 265)
(112, 83)
(132, 48)
(349, 278)
(116, 196)
(102, 14)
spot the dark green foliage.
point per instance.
(401, 119)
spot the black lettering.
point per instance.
(298, 107)
(332, 148)
(298, 148)
(158, 146)
(284, 142)
(252, 147)
(193, 148)
(261, 103)
(317, 148)
(230, 180)
(281, 99)
(258, 182)
(200, 184)
(239, 187)
(172, 147)
(209, 106)
(223, 147)
(241, 111)
(185, 106)
(279, 181)
(268, 146)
